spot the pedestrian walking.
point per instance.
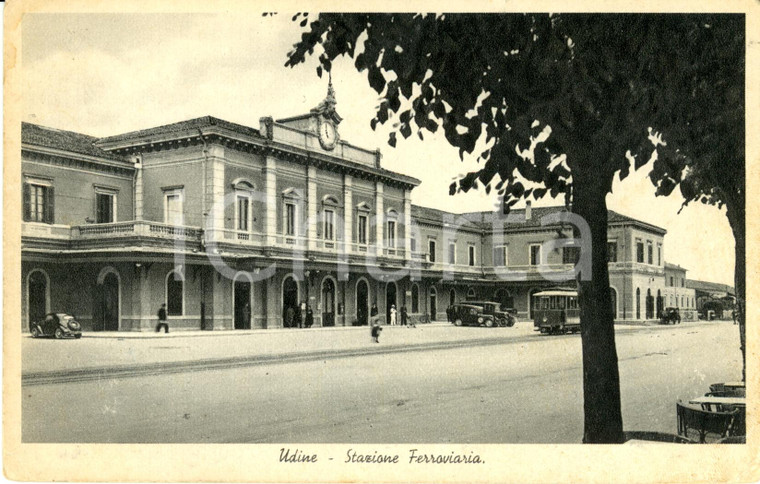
(309, 316)
(393, 315)
(162, 320)
(404, 316)
(376, 332)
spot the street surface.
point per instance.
(519, 387)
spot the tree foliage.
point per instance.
(561, 103)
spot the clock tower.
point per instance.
(326, 119)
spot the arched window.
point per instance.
(175, 293)
(329, 222)
(471, 293)
(415, 299)
(391, 225)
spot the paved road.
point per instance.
(527, 389)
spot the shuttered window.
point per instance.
(38, 203)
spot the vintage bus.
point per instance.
(556, 311)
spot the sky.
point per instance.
(106, 74)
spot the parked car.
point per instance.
(471, 315)
(58, 325)
(670, 316)
(502, 317)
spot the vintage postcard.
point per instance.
(340, 242)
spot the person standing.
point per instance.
(309, 316)
(393, 315)
(162, 320)
(289, 315)
(404, 316)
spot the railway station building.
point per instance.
(231, 226)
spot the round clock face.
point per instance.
(327, 135)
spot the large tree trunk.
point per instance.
(736, 220)
(603, 422)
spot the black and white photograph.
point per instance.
(384, 246)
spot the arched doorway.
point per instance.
(242, 302)
(650, 304)
(638, 303)
(659, 303)
(362, 302)
(289, 302)
(613, 298)
(532, 302)
(328, 302)
(390, 300)
(504, 298)
(452, 297)
(433, 304)
(105, 303)
(37, 291)
(415, 299)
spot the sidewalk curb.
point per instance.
(163, 368)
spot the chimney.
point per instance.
(527, 210)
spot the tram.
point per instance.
(556, 311)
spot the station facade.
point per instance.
(231, 226)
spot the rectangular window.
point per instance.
(500, 256)
(173, 207)
(361, 229)
(391, 234)
(38, 203)
(413, 245)
(639, 250)
(611, 251)
(105, 208)
(290, 219)
(452, 253)
(329, 225)
(650, 252)
(570, 255)
(243, 212)
(471, 255)
(659, 254)
(431, 250)
(535, 254)
(671, 281)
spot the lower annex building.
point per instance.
(230, 226)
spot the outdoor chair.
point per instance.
(704, 426)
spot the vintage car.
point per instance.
(58, 325)
(670, 316)
(471, 315)
(502, 317)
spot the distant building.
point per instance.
(720, 298)
(114, 227)
(676, 294)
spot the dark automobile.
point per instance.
(502, 317)
(59, 325)
(471, 315)
(670, 316)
